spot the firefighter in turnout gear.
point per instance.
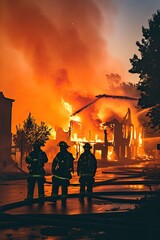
(36, 160)
(62, 167)
(86, 169)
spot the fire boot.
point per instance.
(63, 201)
(54, 198)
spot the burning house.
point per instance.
(118, 139)
(5, 130)
(121, 140)
(125, 139)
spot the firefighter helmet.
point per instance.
(37, 143)
(87, 146)
(63, 144)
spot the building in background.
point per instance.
(5, 130)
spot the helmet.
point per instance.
(37, 143)
(63, 144)
(87, 146)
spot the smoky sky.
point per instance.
(53, 51)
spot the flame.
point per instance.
(52, 132)
(110, 152)
(140, 139)
(77, 139)
(67, 106)
(97, 138)
(76, 118)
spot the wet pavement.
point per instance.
(117, 189)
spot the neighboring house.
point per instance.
(5, 130)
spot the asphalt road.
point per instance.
(117, 189)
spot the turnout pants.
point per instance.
(56, 185)
(86, 186)
(31, 186)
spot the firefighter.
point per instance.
(86, 169)
(62, 169)
(36, 160)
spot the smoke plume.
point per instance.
(56, 51)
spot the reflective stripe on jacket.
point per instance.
(36, 175)
(60, 177)
(86, 174)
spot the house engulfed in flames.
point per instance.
(121, 139)
(117, 140)
(125, 141)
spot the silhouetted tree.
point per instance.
(148, 68)
(129, 89)
(28, 133)
(115, 84)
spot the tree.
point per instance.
(148, 68)
(115, 84)
(28, 133)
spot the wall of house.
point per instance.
(5, 130)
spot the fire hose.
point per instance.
(108, 222)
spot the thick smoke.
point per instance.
(55, 51)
